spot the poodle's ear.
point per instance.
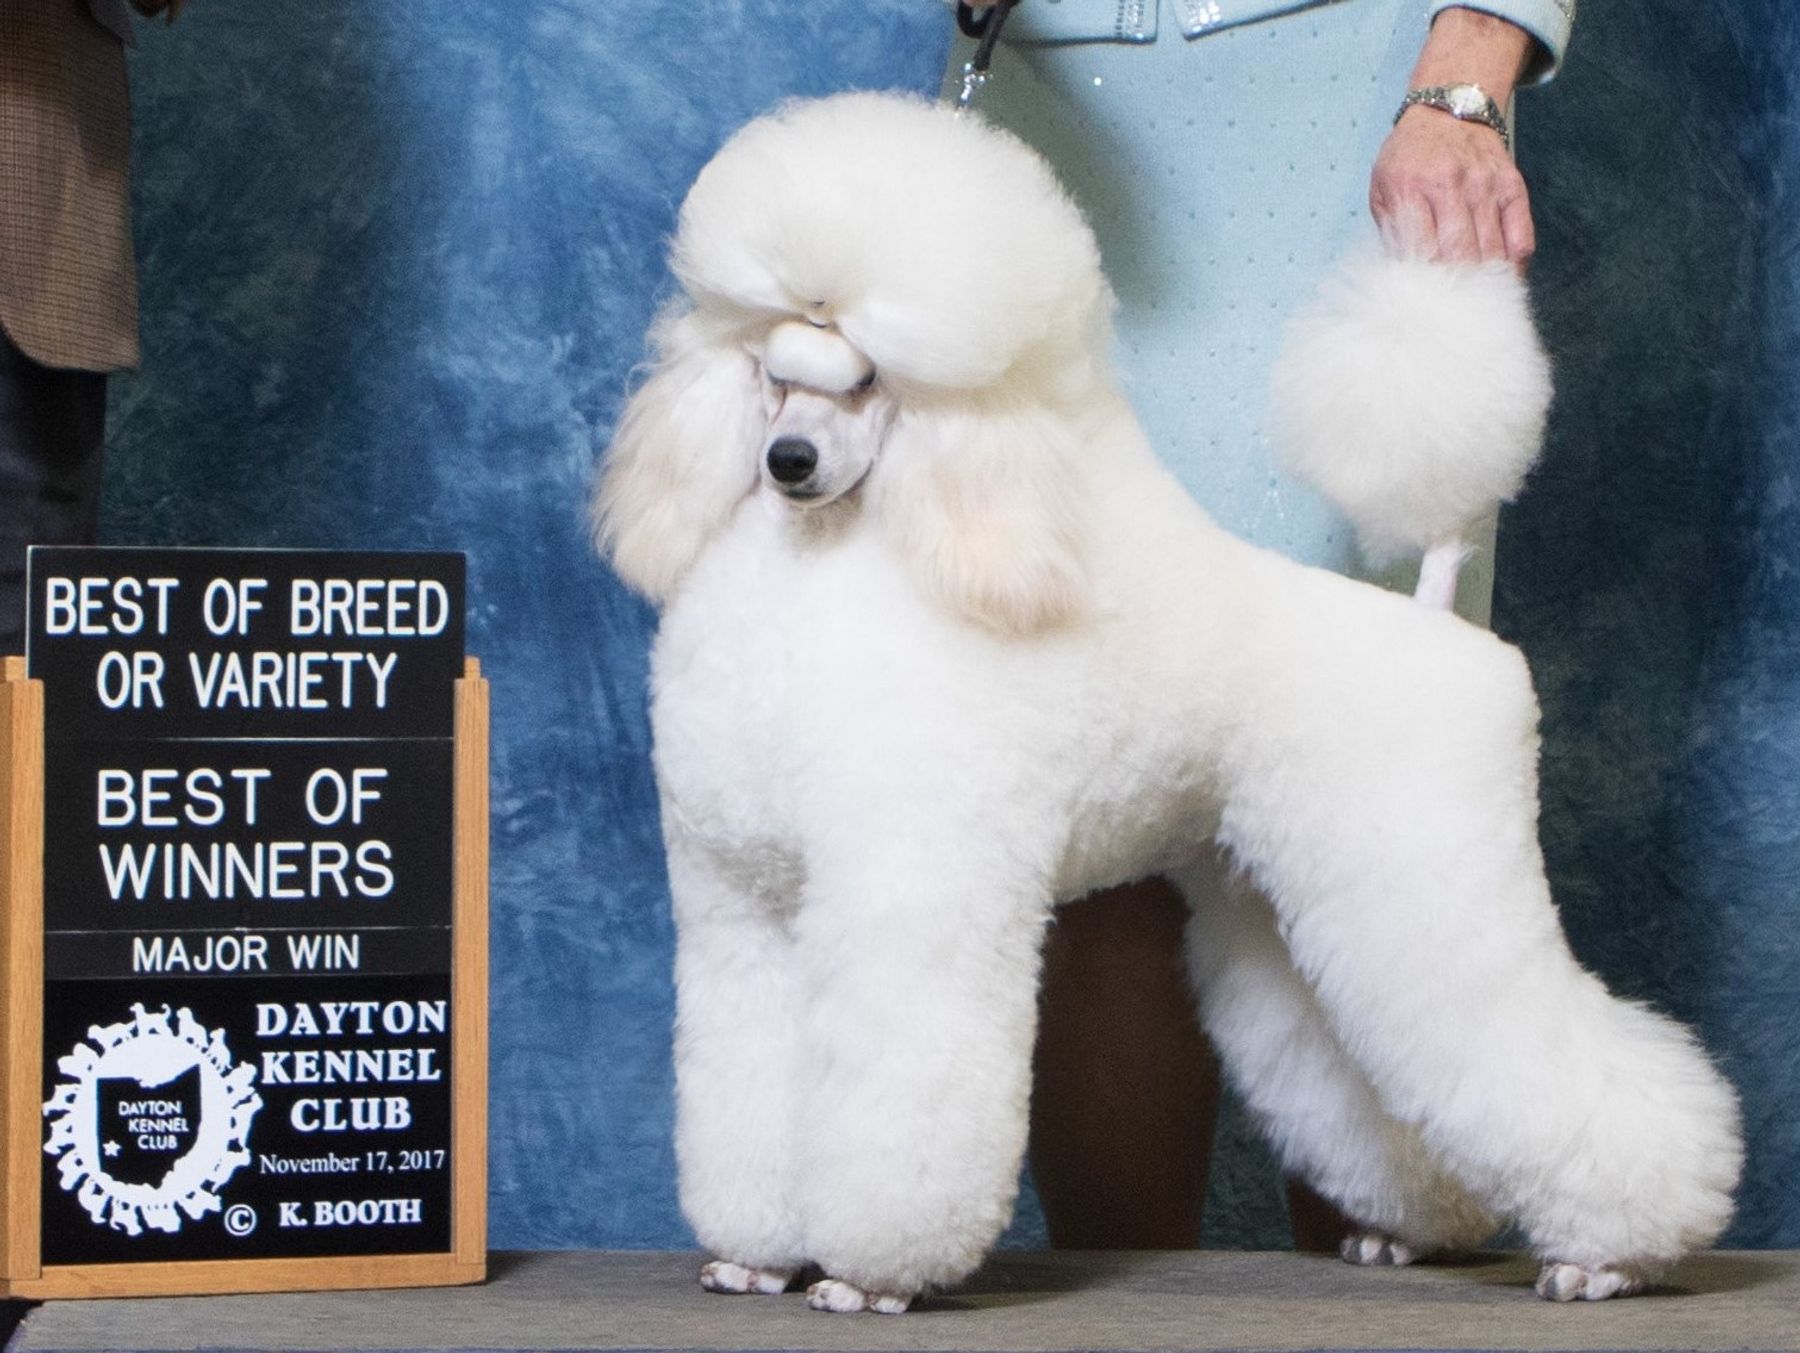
(683, 454)
(984, 501)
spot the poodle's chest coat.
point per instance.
(801, 675)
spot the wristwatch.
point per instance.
(1466, 103)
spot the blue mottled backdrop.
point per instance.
(398, 261)
(1652, 573)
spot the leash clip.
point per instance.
(986, 28)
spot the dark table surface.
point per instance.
(1176, 1300)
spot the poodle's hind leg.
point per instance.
(1387, 807)
(736, 1061)
(1318, 1107)
(922, 973)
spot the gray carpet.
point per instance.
(1034, 1302)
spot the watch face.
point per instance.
(1466, 100)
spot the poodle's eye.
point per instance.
(866, 384)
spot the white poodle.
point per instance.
(943, 644)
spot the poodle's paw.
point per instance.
(1574, 1282)
(834, 1294)
(1373, 1249)
(721, 1275)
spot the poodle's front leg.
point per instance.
(736, 1053)
(922, 968)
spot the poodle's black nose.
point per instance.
(792, 459)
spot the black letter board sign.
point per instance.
(258, 833)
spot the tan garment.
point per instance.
(68, 282)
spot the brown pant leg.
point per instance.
(1126, 1089)
(1318, 1225)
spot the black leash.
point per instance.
(985, 27)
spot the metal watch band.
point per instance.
(1466, 103)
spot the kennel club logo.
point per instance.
(151, 1118)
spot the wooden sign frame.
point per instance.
(21, 1045)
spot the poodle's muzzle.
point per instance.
(826, 416)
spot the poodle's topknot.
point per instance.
(945, 276)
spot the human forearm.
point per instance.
(1468, 46)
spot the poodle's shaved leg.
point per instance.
(923, 975)
(1393, 826)
(1572, 1282)
(1438, 572)
(721, 1275)
(1318, 1106)
(736, 1056)
(833, 1294)
(1374, 1249)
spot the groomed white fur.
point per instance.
(817, 357)
(988, 656)
(1413, 396)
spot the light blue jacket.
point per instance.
(1136, 20)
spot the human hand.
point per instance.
(1444, 189)
(1448, 191)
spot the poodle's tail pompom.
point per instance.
(1413, 396)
